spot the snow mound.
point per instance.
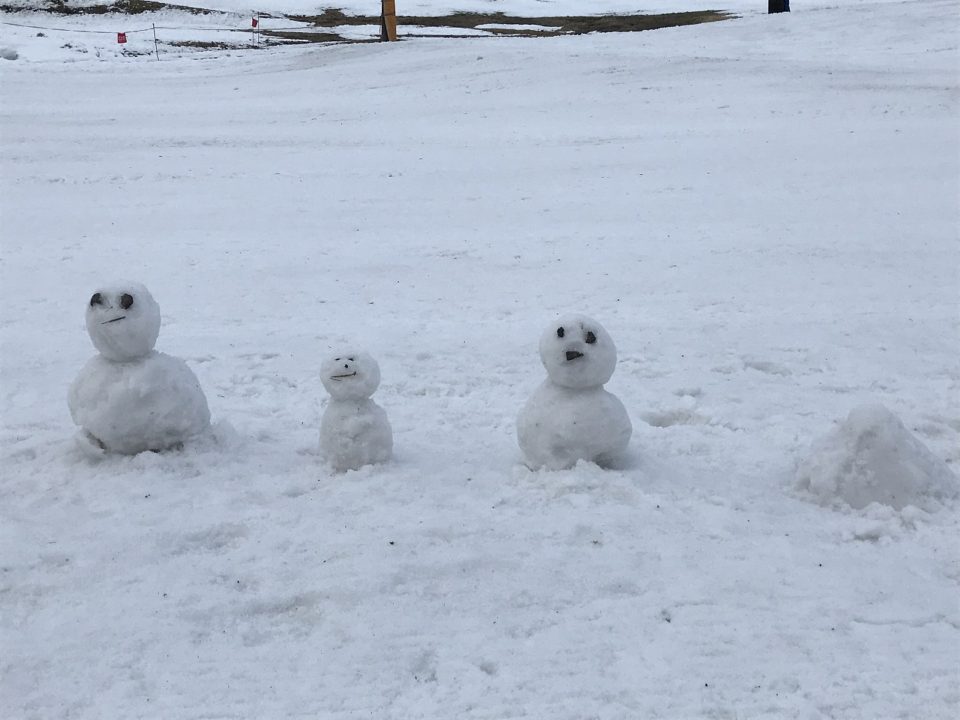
(872, 458)
(8, 53)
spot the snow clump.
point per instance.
(872, 458)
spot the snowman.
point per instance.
(570, 417)
(131, 398)
(354, 430)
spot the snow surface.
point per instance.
(765, 209)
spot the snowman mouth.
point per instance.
(107, 322)
(345, 375)
(573, 355)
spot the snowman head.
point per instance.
(350, 375)
(123, 320)
(577, 352)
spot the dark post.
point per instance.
(775, 6)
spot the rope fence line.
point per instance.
(387, 27)
(159, 27)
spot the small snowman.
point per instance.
(131, 398)
(354, 430)
(570, 417)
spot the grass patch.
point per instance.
(203, 44)
(549, 26)
(572, 25)
(123, 7)
(303, 36)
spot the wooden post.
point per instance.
(777, 6)
(388, 20)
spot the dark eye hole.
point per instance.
(336, 359)
(590, 337)
(126, 301)
(97, 299)
(560, 332)
(351, 359)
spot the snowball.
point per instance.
(570, 417)
(558, 426)
(577, 352)
(872, 457)
(123, 321)
(153, 403)
(354, 430)
(8, 53)
(350, 375)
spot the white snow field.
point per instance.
(763, 212)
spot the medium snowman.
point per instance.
(131, 398)
(354, 430)
(570, 417)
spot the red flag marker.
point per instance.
(121, 38)
(254, 22)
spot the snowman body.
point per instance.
(130, 398)
(151, 403)
(571, 417)
(354, 430)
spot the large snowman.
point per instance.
(570, 417)
(131, 398)
(354, 430)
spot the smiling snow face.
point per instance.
(350, 375)
(123, 320)
(577, 352)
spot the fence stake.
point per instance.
(156, 47)
(388, 20)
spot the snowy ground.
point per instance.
(763, 213)
(39, 31)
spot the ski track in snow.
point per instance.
(762, 212)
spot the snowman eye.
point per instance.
(97, 299)
(351, 359)
(560, 332)
(126, 301)
(590, 337)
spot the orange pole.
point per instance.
(388, 20)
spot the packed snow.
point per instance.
(872, 458)
(130, 398)
(570, 417)
(354, 430)
(764, 214)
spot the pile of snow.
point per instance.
(8, 53)
(872, 458)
